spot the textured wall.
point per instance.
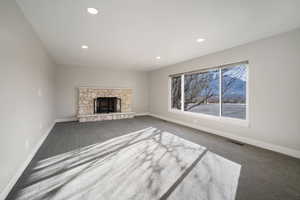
(274, 85)
(69, 78)
(26, 85)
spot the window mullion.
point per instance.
(182, 92)
(220, 92)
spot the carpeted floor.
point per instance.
(265, 175)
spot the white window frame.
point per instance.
(220, 118)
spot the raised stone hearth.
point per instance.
(109, 116)
(86, 104)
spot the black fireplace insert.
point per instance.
(107, 105)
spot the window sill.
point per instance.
(226, 120)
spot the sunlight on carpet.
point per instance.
(144, 164)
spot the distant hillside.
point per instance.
(235, 94)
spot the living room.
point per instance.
(150, 99)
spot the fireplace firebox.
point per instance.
(107, 105)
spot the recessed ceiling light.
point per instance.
(157, 57)
(200, 40)
(84, 46)
(92, 11)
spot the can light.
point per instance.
(200, 40)
(92, 11)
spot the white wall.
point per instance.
(274, 91)
(24, 69)
(69, 78)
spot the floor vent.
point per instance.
(236, 142)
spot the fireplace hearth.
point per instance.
(107, 105)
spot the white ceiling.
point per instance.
(129, 34)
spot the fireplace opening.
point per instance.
(107, 105)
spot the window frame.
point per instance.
(170, 93)
(224, 119)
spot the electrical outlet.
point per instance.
(41, 126)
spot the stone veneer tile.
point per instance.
(86, 103)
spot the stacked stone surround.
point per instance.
(86, 103)
(109, 116)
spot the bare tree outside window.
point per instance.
(176, 92)
(201, 92)
(234, 91)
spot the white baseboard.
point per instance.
(272, 147)
(20, 171)
(70, 119)
(264, 145)
(142, 114)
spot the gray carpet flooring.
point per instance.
(265, 175)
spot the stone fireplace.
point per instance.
(96, 104)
